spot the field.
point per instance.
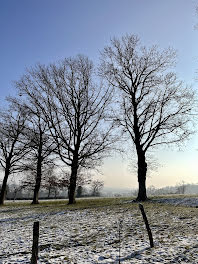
(105, 230)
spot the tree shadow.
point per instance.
(182, 255)
(135, 254)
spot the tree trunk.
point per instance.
(38, 181)
(4, 185)
(142, 165)
(72, 186)
(49, 191)
(37, 185)
(38, 170)
(142, 170)
(55, 193)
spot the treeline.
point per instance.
(72, 114)
(53, 189)
(182, 188)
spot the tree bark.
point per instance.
(142, 170)
(38, 183)
(4, 185)
(38, 176)
(142, 165)
(72, 186)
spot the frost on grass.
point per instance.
(100, 234)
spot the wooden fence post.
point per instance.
(147, 225)
(35, 243)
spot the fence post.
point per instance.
(35, 243)
(147, 225)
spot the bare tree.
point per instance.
(41, 145)
(12, 146)
(30, 180)
(181, 188)
(51, 183)
(75, 109)
(79, 191)
(155, 108)
(14, 190)
(96, 187)
(83, 178)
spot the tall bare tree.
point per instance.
(12, 146)
(155, 107)
(75, 110)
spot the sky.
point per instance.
(45, 31)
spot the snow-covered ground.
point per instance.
(92, 235)
(183, 201)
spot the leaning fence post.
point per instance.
(147, 225)
(35, 243)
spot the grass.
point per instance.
(96, 203)
(80, 203)
(181, 213)
(65, 229)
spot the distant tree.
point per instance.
(52, 183)
(75, 110)
(82, 180)
(181, 188)
(14, 191)
(151, 190)
(79, 191)
(96, 187)
(154, 107)
(28, 182)
(64, 181)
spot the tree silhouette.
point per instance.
(154, 106)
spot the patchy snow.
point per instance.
(184, 201)
(92, 235)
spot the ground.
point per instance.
(101, 231)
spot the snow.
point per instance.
(92, 235)
(184, 201)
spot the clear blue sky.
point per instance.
(44, 31)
